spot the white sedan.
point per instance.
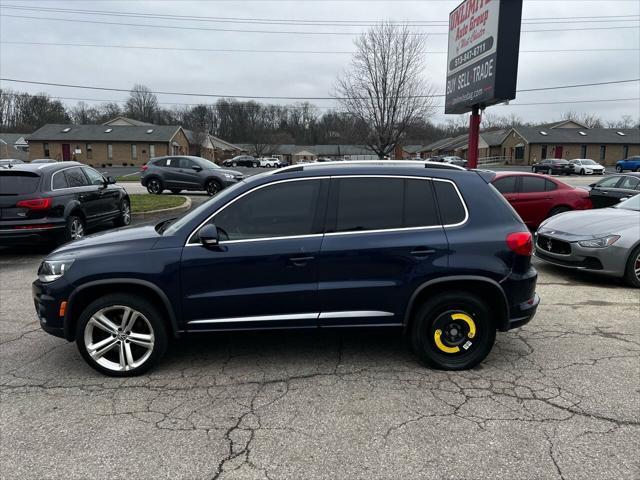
(585, 166)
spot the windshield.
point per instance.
(588, 162)
(196, 212)
(631, 204)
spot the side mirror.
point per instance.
(592, 185)
(209, 236)
(197, 168)
(111, 180)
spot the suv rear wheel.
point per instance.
(453, 331)
(75, 229)
(125, 214)
(121, 335)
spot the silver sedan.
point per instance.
(605, 241)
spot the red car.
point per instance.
(537, 197)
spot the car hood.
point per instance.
(235, 173)
(587, 224)
(124, 239)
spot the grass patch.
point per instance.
(144, 202)
(128, 178)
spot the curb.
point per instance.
(162, 212)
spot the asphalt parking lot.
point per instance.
(558, 398)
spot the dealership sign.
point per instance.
(482, 60)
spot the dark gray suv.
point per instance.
(180, 172)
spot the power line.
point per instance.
(267, 21)
(232, 50)
(278, 32)
(259, 97)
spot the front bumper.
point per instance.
(47, 299)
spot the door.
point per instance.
(533, 201)
(383, 239)
(107, 207)
(602, 194)
(87, 195)
(558, 152)
(66, 152)
(186, 175)
(264, 272)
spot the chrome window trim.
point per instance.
(296, 316)
(359, 232)
(355, 314)
(68, 168)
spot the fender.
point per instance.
(72, 205)
(68, 328)
(458, 278)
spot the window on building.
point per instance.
(583, 151)
(603, 152)
(45, 146)
(109, 151)
(134, 151)
(519, 153)
(625, 151)
(543, 154)
(89, 149)
(152, 150)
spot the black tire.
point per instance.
(534, 170)
(631, 275)
(558, 210)
(176, 191)
(254, 165)
(582, 171)
(74, 230)
(124, 218)
(234, 164)
(212, 187)
(154, 186)
(154, 324)
(619, 169)
(433, 322)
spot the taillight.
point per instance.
(143, 168)
(520, 243)
(35, 204)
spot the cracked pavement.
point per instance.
(557, 399)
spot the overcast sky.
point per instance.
(306, 74)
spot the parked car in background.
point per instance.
(454, 160)
(631, 163)
(270, 162)
(610, 190)
(553, 166)
(8, 162)
(57, 202)
(44, 160)
(536, 197)
(323, 159)
(389, 243)
(605, 241)
(177, 173)
(242, 161)
(585, 166)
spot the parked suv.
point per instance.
(631, 163)
(177, 173)
(57, 202)
(434, 252)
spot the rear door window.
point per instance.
(532, 184)
(94, 177)
(75, 177)
(506, 184)
(18, 183)
(629, 183)
(610, 182)
(452, 210)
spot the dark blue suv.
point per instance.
(430, 249)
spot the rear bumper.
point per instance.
(30, 236)
(522, 299)
(523, 313)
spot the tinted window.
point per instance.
(94, 177)
(629, 183)
(608, 182)
(14, 183)
(368, 203)
(550, 186)
(59, 181)
(184, 163)
(160, 163)
(279, 210)
(451, 207)
(75, 177)
(419, 206)
(506, 184)
(532, 184)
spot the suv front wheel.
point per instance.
(121, 335)
(154, 186)
(453, 331)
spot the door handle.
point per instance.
(421, 252)
(300, 261)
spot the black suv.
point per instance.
(57, 202)
(431, 250)
(177, 173)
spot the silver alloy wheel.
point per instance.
(212, 188)
(636, 267)
(119, 338)
(154, 186)
(76, 229)
(126, 213)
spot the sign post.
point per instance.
(482, 60)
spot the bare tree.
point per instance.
(142, 103)
(385, 86)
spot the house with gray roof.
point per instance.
(14, 145)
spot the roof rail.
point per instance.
(427, 164)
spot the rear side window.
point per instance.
(452, 209)
(18, 183)
(383, 203)
(610, 182)
(160, 163)
(629, 183)
(279, 210)
(550, 186)
(59, 181)
(506, 184)
(532, 184)
(75, 177)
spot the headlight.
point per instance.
(600, 242)
(51, 270)
(229, 176)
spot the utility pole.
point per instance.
(474, 136)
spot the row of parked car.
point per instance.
(583, 166)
